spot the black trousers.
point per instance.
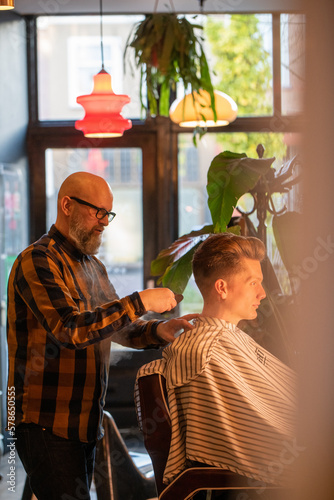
(58, 469)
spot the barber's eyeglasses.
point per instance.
(101, 213)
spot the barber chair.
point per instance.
(116, 475)
(154, 420)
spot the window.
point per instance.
(83, 54)
(13, 239)
(122, 247)
(241, 48)
(292, 62)
(69, 55)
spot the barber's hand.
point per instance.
(159, 299)
(168, 329)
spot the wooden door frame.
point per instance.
(158, 143)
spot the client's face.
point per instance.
(245, 291)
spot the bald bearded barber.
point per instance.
(63, 313)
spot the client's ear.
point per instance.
(221, 288)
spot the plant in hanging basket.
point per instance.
(168, 49)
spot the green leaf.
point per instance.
(178, 249)
(153, 105)
(167, 49)
(229, 177)
(234, 230)
(174, 263)
(206, 82)
(288, 229)
(179, 271)
(177, 275)
(164, 99)
(198, 132)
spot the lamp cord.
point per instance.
(101, 33)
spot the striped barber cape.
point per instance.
(232, 403)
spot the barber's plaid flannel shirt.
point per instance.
(63, 313)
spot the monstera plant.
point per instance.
(168, 49)
(230, 176)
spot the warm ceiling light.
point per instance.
(103, 110)
(194, 110)
(6, 4)
(103, 107)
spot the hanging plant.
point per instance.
(167, 50)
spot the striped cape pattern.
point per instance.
(232, 403)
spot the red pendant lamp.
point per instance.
(103, 107)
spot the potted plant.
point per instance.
(168, 49)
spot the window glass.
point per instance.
(13, 239)
(192, 178)
(239, 50)
(292, 62)
(13, 209)
(122, 248)
(70, 47)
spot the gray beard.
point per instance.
(86, 241)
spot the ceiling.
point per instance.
(54, 7)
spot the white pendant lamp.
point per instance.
(194, 110)
(6, 4)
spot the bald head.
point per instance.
(85, 185)
(89, 188)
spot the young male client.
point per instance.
(231, 401)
